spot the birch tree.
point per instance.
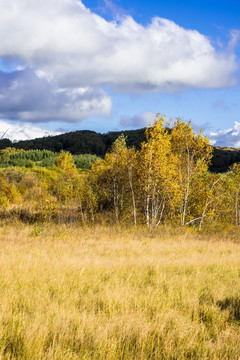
(114, 180)
(157, 173)
(194, 154)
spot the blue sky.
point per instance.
(109, 65)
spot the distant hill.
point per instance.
(78, 142)
(223, 158)
(91, 142)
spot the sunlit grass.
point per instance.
(105, 293)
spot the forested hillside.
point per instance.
(90, 142)
(78, 142)
(166, 181)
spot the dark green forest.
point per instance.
(78, 142)
(90, 142)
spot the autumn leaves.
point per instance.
(165, 182)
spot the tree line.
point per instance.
(78, 142)
(89, 142)
(165, 182)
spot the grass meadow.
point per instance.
(111, 293)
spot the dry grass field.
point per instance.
(109, 294)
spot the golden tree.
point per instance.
(113, 180)
(158, 174)
(194, 154)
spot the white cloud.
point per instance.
(79, 48)
(113, 8)
(228, 137)
(27, 96)
(72, 48)
(22, 131)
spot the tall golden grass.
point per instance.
(111, 293)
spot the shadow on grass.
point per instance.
(232, 304)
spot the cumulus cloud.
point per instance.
(138, 121)
(79, 48)
(228, 137)
(23, 131)
(112, 7)
(27, 96)
(75, 52)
